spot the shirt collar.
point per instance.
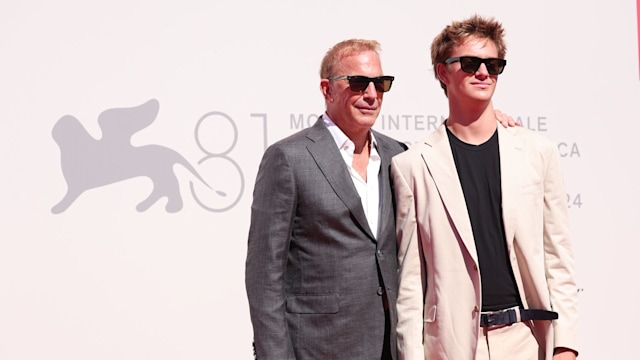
(340, 137)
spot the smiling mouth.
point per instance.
(363, 109)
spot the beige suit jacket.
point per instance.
(439, 296)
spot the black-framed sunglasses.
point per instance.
(471, 64)
(359, 83)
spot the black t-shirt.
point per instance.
(479, 172)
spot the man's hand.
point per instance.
(564, 354)
(505, 119)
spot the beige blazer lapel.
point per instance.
(512, 178)
(511, 173)
(441, 166)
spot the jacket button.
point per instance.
(380, 291)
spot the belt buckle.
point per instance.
(491, 318)
(494, 316)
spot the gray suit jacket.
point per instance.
(316, 274)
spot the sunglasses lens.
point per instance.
(495, 66)
(360, 83)
(470, 64)
(383, 84)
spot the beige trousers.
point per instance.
(508, 342)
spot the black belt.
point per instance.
(510, 316)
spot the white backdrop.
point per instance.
(98, 278)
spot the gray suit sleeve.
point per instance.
(272, 213)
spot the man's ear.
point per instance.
(443, 75)
(325, 88)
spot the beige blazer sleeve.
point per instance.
(410, 303)
(559, 262)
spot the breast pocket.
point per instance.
(530, 209)
(313, 304)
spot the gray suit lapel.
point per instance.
(384, 183)
(324, 151)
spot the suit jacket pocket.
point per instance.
(430, 314)
(313, 304)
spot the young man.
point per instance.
(485, 261)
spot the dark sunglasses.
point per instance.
(358, 83)
(471, 64)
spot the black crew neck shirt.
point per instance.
(479, 173)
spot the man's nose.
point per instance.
(370, 90)
(482, 70)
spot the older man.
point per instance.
(321, 263)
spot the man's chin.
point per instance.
(369, 119)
